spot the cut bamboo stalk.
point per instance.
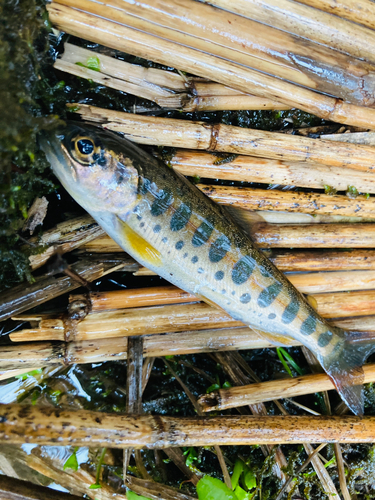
(138, 297)
(182, 317)
(30, 355)
(274, 389)
(225, 72)
(285, 236)
(227, 138)
(322, 260)
(367, 138)
(165, 88)
(266, 171)
(310, 283)
(345, 304)
(359, 11)
(243, 41)
(45, 426)
(64, 237)
(46, 287)
(15, 489)
(310, 23)
(155, 491)
(290, 201)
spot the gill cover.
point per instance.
(97, 168)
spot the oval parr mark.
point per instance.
(219, 248)
(179, 245)
(157, 228)
(245, 298)
(325, 338)
(219, 275)
(272, 316)
(291, 311)
(242, 270)
(181, 217)
(269, 294)
(162, 202)
(203, 233)
(309, 325)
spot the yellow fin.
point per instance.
(275, 338)
(140, 246)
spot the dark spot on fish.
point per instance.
(269, 294)
(200, 270)
(219, 248)
(157, 228)
(242, 270)
(223, 291)
(165, 239)
(203, 232)
(233, 293)
(309, 325)
(272, 316)
(324, 339)
(219, 275)
(145, 186)
(194, 260)
(162, 202)
(291, 310)
(179, 245)
(181, 217)
(185, 255)
(245, 298)
(141, 224)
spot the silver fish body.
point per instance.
(169, 226)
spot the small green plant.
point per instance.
(72, 462)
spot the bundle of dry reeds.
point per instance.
(173, 31)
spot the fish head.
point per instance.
(94, 167)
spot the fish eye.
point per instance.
(86, 150)
(85, 146)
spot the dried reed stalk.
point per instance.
(44, 426)
(310, 23)
(286, 236)
(227, 138)
(137, 297)
(31, 355)
(233, 75)
(182, 317)
(155, 491)
(274, 389)
(165, 88)
(243, 41)
(46, 287)
(266, 171)
(367, 138)
(64, 237)
(359, 11)
(290, 201)
(310, 283)
(15, 489)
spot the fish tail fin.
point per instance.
(344, 367)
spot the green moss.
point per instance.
(23, 177)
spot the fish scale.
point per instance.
(171, 227)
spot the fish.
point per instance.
(168, 225)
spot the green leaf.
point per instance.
(329, 190)
(213, 387)
(93, 63)
(291, 361)
(72, 462)
(250, 480)
(284, 363)
(210, 488)
(226, 385)
(95, 486)
(24, 376)
(133, 496)
(237, 471)
(241, 494)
